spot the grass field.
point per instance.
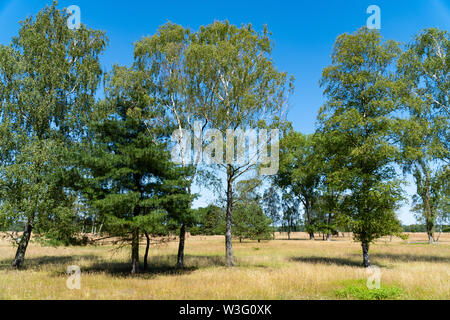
(278, 269)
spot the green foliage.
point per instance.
(55, 239)
(430, 201)
(232, 71)
(357, 126)
(299, 177)
(250, 222)
(233, 76)
(291, 213)
(415, 228)
(211, 221)
(271, 203)
(159, 97)
(66, 160)
(131, 181)
(48, 78)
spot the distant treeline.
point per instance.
(423, 228)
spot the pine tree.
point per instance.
(130, 177)
(423, 70)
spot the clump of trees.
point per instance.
(423, 228)
(128, 176)
(386, 108)
(249, 220)
(210, 221)
(69, 160)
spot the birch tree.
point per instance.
(49, 75)
(161, 59)
(424, 70)
(357, 121)
(233, 76)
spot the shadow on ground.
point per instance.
(45, 261)
(410, 258)
(293, 239)
(123, 270)
(327, 260)
(157, 265)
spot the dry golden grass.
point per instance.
(279, 269)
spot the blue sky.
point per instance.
(303, 31)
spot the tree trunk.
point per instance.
(135, 252)
(430, 231)
(430, 238)
(100, 229)
(365, 249)
(147, 247)
(228, 243)
(180, 258)
(308, 218)
(329, 228)
(23, 244)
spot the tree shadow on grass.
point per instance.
(123, 269)
(205, 261)
(39, 262)
(293, 239)
(157, 266)
(328, 260)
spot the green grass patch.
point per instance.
(359, 290)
